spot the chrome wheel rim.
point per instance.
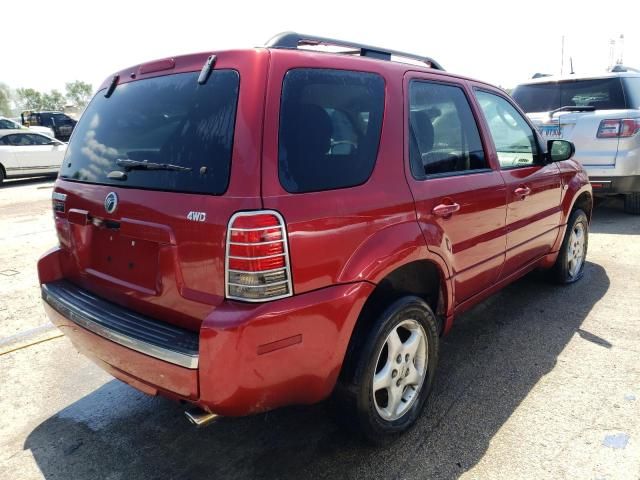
(401, 367)
(576, 249)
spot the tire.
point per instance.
(1, 175)
(632, 203)
(569, 265)
(407, 331)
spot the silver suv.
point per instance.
(600, 114)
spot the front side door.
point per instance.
(460, 197)
(533, 186)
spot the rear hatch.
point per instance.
(605, 96)
(152, 175)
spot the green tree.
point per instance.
(5, 97)
(54, 100)
(79, 93)
(29, 99)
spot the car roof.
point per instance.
(575, 77)
(193, 62)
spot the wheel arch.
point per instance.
(423, 278)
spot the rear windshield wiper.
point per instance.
(129, 165)
(572, 108)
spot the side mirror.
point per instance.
(560, 150)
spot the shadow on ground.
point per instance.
(494, 356)
(609, 217)
(20, 182)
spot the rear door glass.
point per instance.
(330, 122)
(602, 93)
(163, 120)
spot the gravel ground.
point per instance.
(539, 381)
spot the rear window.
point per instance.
(330, 122)
(169, 120)
(603, 94)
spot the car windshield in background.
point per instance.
(164, 120)
(61, 119)
(602, 94)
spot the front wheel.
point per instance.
(394, 371)
(569, 265)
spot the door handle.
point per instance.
(445, 209)
(522, 192)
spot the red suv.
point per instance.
(256, 228)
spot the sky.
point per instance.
(495, 41)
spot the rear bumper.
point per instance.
(615, 185)
(250, 357)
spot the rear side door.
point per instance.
(7, 157)
(34, 154)
(460, 197)
(533, 187)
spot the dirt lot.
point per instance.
(537, 382)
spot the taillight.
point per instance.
(618, 128)
(257, 261)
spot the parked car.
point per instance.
(600, 114)
(8, 124)
(29, 154)
(61, 123)
(277, 226)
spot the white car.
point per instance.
(600, 114)
(8, 124)
(24, 153)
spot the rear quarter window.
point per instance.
(330, 123)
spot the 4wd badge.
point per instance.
(111, 202)
(197, 216)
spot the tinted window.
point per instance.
(513, 138)
(330, 123)
(20, 140)
(40, 140)
(168, 120)
(603, 94)
(444, 137)
(8, 124)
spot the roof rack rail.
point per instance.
(293, 40)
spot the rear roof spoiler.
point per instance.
(293, 40)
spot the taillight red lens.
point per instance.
(609, 129)
(257, 265)
(618, 128)
(630, 127)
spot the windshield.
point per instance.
(5, 123)
(603, 94)
(61, 119)
(168, 120)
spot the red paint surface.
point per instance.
(342, 243)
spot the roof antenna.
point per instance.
(571, 62)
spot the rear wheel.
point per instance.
(569, 265)
(1, 174)
(632, 203)
(393, 372)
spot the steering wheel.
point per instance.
(353, 145)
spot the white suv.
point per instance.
(600, 114)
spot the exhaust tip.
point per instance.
(199, 417)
